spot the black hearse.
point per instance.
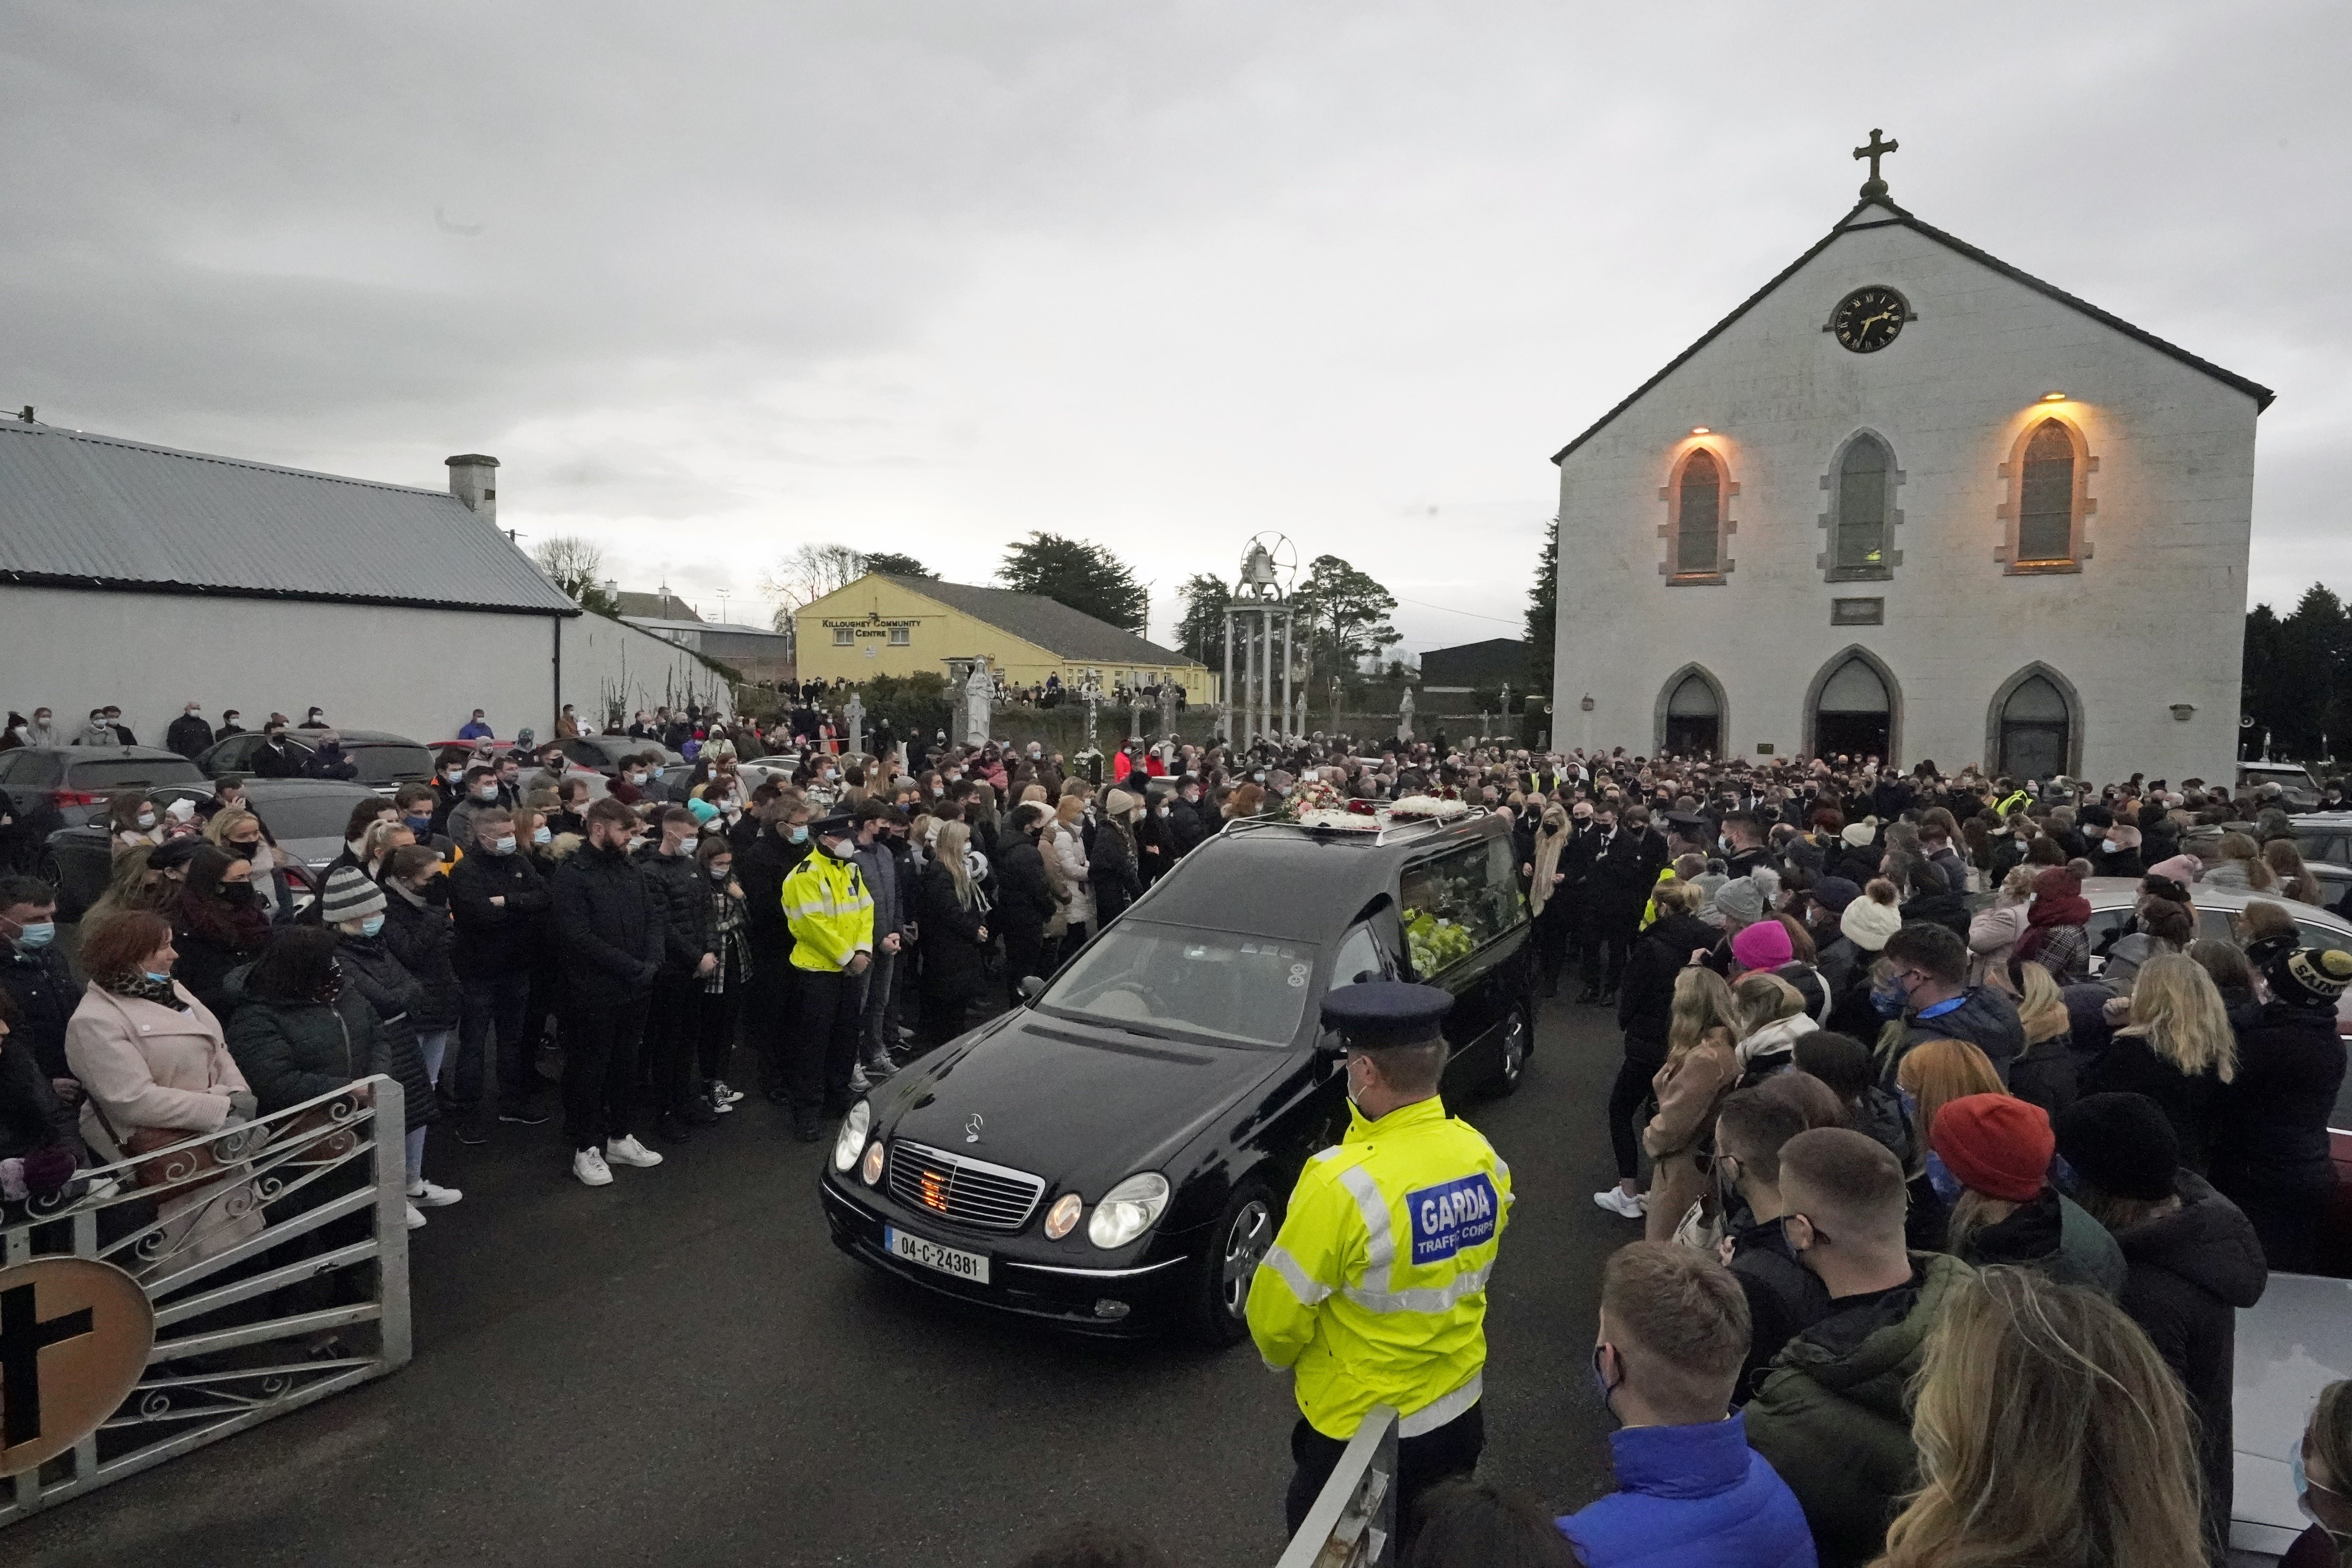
(1113, 1157)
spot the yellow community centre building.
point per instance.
(888, 624)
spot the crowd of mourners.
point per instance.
(1950, 1185)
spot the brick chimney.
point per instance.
(474, 480)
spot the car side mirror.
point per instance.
(1032, 986)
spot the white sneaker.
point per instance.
(590, 1167)
(429, 1195)
(415, 1219)
(1618, 1202)
(858, 1083)
(722, 1095)
(629, 1152)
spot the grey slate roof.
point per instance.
(2262, 396)
(84, 510)
(1053, 625)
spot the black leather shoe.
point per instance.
(697, 1112)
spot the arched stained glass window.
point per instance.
(1862, 507)
(2045, 497)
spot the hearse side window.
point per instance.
(1456, 903)
(1359, 955)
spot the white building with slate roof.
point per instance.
(150, 578)
(1907, 501)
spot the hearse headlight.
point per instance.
(1128, 1209)
(852, 1140)
(1063, 1217)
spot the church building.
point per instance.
(1909, 501)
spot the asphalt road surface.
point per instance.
(680, 1368)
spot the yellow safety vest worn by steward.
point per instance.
(830, 912)
(1375, 1291)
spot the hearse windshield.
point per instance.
(1166, 979)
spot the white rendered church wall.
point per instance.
(2154, 618)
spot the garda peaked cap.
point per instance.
(1373, 1014)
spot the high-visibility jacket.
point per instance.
(1375, 1291)
(830, 912)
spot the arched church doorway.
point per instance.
(2036, 730)
(1694, 718)
(1853, 714)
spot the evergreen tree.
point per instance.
(892, 564)
(1201, 631)
(1081, 575)
(1543, 615)
(1345, 615)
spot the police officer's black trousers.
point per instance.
(1421, 1462)
(823, 1045)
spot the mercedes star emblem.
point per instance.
(971, 1128)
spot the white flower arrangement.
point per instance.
(1346, 821)
(1427, 807)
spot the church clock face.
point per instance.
(1868, 320)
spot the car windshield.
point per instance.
(133, 772)
(306, 815)
(1154, 980)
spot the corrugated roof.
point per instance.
(655, 623)
(1053, 625)
(2262, 396)
(84, 510)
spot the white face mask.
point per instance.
(146, 819)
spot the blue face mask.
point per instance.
(370, 926)
(163, 979)
(1888, 1003)
(418, 824)
(542, 833)
(799, 836)
(1940, 1177)
(38, 934)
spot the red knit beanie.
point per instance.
(1996, 1144)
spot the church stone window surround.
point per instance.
(2027, 471)
(1856, 448)
(1687, 486)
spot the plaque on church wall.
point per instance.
(1857, 611)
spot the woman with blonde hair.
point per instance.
(1702, 1065)
(1933, 1074)
(2176, 1048)
(2236, 862)
(1066, 870)
(1771, 1017)
(2044, 1071)
(2295, 878)
(1994, 932)
(2049, 1432)
(952, 912)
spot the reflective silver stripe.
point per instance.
(1444, 1409)
(1427, 1299)
(1504, 1170)
(1380, 1246)
(1303, 1285)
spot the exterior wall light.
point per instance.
(2053, 397)
(2181, 710)
(1586, 705)
(1700, 430)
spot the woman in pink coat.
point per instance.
(151, 1055)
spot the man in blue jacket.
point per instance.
(1690, 1491)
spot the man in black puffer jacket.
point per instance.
(783, 843)
(609, 931)
(2270, 1139)
(500, 906)
(672, 1026)
(2191, 1257)
(1025, 899)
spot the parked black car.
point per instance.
(74, 781)
(304, 818)
(384, 761)
(1114, 1156)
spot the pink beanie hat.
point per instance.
(1764, 945)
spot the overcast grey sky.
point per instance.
(712, 281)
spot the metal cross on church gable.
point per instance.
(1877, 148)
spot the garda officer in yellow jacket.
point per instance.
(832, 918)
(1375, 1291)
